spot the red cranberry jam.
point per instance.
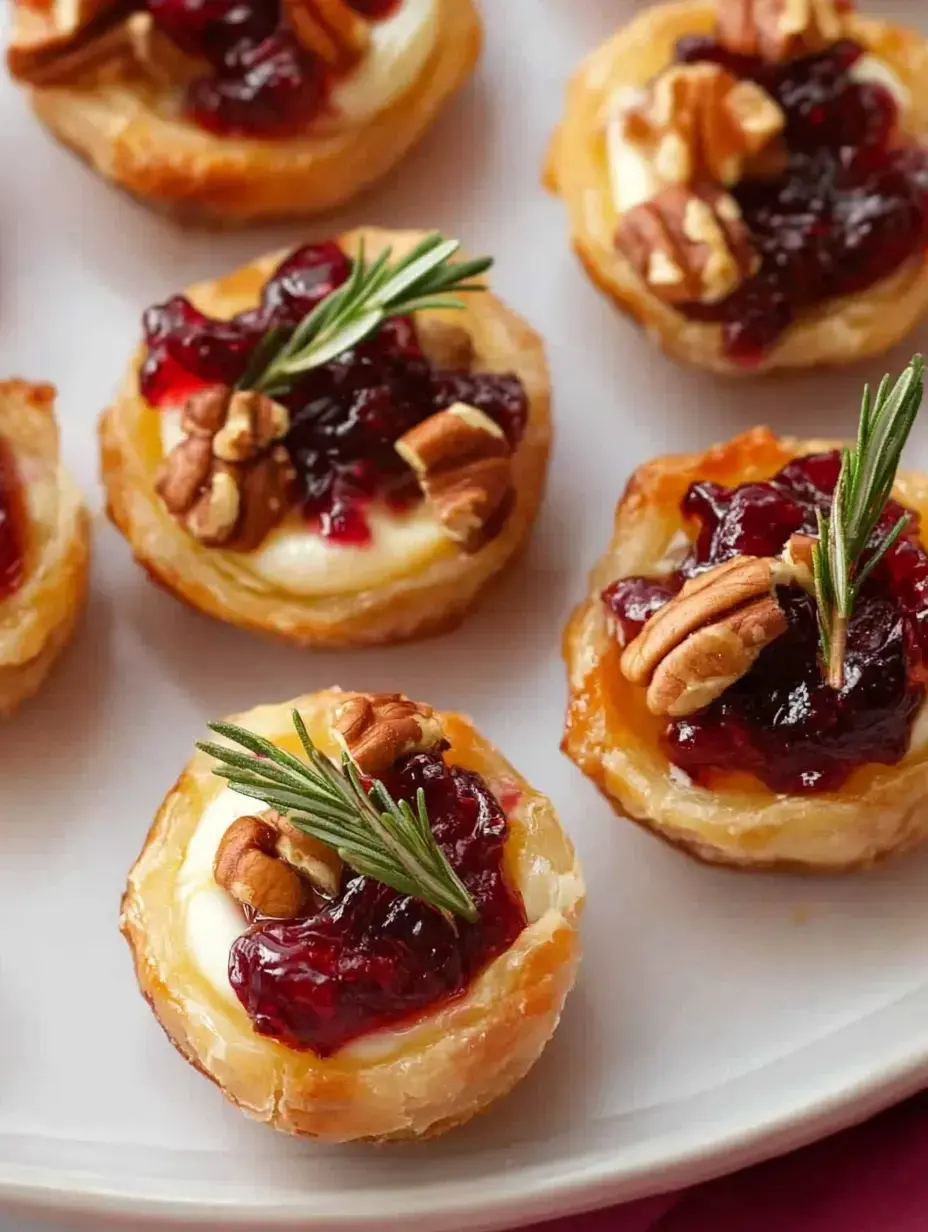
(12, 524)
(781, 722)
(263, 83)
(371, 957)
(849, 210)
(346, 415)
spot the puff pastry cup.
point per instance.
(838, 330)
(730, 818)
(43, 508)
(112, 88)
(431, 595)
(428, 1074)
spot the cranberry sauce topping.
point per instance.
(850, 208)
(12, 524)
(347, 414)
(263, 82)
(371, 957)
(781, 722)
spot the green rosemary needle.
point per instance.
(376, 836)
(374, 290)
(865, 483)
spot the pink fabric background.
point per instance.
(870, 1179)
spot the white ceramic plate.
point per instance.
(718, 1017)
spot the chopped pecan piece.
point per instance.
(463, 462)
(781, 30)
(698, 122)
(267, 864)
(377, 728)
(330, 29)
(710, 634)
(229, 481)
(688, 245)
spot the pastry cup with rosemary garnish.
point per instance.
(284, 111)
(374, 947)
(44, 542)
(749, 693)
(332, 446)
(716, 158)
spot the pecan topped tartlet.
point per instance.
(240, 109)
(369, 930)
(44, 542)
(749, 179)
(327, 447)
(748, 674)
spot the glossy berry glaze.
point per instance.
(12, 524)
(781, 722)
(347, 414)
(850, 209)
(371, 957)
(263, 82)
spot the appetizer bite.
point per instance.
(44, 542)
(331, 446)
(749, 179)
(369, 930)
(233, 111)
(747, 676)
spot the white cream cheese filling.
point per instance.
(399, 49)
(213, 921)
(296, 559)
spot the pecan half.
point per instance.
(377, 728)
(710, 634)
(781, 30)
(267, 864)
(330, 29)
(67, 40)
(698, 122)
(688, 245)
(229, 481)
(463, 462)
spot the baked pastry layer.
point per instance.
(881, 810)
(429, 600)
(421, 1080)
(127, 128)
(38, 618)
(839, 331)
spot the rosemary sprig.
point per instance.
(375, 290)
(864, 486)
(372, 833)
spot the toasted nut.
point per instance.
(378, 728)
(710, 634)
(688, 245)
(229, 482)
(247, 866)
(464, 466)
(330, 29)
(798, 551)
(445, 345)
(781, 30)
(320, 864)
(698, 122)
(66, 43)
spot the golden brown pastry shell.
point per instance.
(839, 331)
(121, 123)
(431, 600)
(37, 620)
(436, 1073)
(880, 811)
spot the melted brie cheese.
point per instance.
(399, 50)
(296, 559)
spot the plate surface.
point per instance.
(718, 1017)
